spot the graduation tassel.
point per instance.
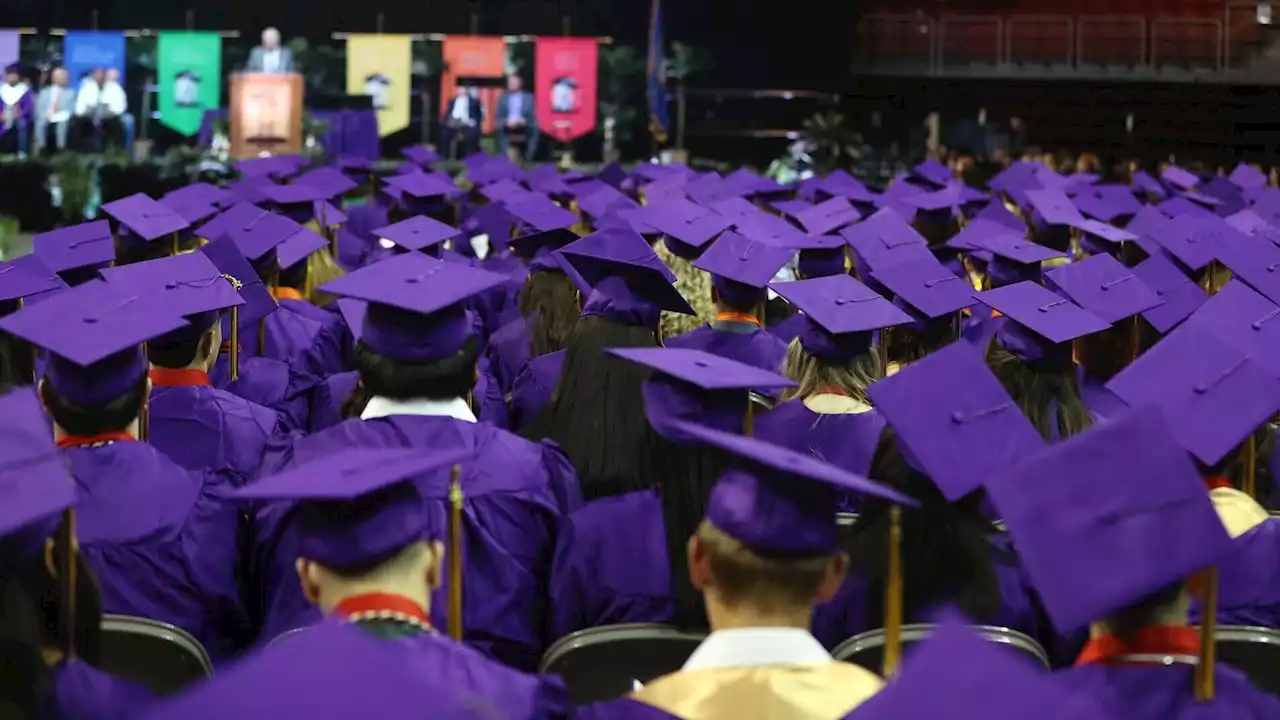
(66, 565)
(176, 245)
(1208, 627)
(749, 420)
(144, 412)
(233, 353)
(893, 597)
(455, 554)
(262, 337)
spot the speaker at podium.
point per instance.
(266, 114)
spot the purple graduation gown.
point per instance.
(326, 401)
(303, 335)
(268, 383)
(1097, 398)
(611, 565)
(162, 541)
(1249, 580)
(83, 692)
(739, 341)
(977, 328)
(508, 351)
(847, 441)
(789, 328)
(337, 346)
(621, 709)
(203, 428)
(845, 614)
(516, 492)
(1167, 692)
(534, 386)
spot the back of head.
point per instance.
(768, 586)
(382, 376)
(83, 420)
(550, 300)
(813, 374)
(1048, 395)
(596, 414)
(946, 554)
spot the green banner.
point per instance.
(189, 76)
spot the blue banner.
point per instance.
(656, 70)
(85, 50)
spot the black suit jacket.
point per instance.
(476, 111)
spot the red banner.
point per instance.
(471, 57)
(565, 86)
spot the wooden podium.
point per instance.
(266, 114)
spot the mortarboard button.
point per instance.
(840, 315)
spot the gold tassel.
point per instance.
(144, 413)
(1250, 484)
(455, 554)
(893, 597)
(749, 420)
(233, 353)
(66, 564)
(1208, 626)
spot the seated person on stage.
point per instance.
(369, 525)
(54, 105)
(197, 425)
(765, 555)
(17, 106)
(417, 364)
(1122, 552)
(162, 540)
(41, 677)
(100, 105)
(516, 117)
(462, 119)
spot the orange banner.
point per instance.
(473, 56)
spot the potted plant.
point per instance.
(830, 143)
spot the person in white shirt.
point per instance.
(54, 105)
(462, 122)
(16, 109)
(270, 56)
(100, 107)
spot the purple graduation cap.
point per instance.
(1180, 205)
(87, 245)
(354, 165)
(1179, 295)
(1106, 207)
(1195, 241)
(1109, 517)
(1253, 260)
(957, 671)
(35, 481)
(422, 193)
(927, 286)
(94, 333)
(1205, 200)
(1053, 207)
(1251, 223)
(697, 386)
(1104, 287)
(604, 199)
(828, 216)
(360, 506)
(777, 502)
(997, 213)
(144, 217)
(539, 213)
(933, 171)
(1179, 178)
(419, 233)
(1100, 237)
(417, 305)
(1245, 319)
(688, 227)
(274, 166)
(884, 239)
(1017, 174)
(624, 279)
(735, 208)
(1039, 323)
(766, 227)
(52, 284)
(202, 192)
(792, 207)
(503, 190)
(327, 215)
(295, 201)
(249, 189)
(239, 273)
(710, 187)
(256, 232)
(840, 315)
(1143, 182)
(189, 285)
(193, 209)
(18, 282)
(539, 248)
(741, 268)
(299, 246)
(612, 175)
(1146, 221)
(494, 169)
(1247, 176)
(421, 155)
(820, 255)
(1212, 394)
(328, 180)
(956, 422)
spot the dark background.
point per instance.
(757, 43)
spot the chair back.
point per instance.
(1254, 651)
(867, 649)
(156, 655)
(607, 662)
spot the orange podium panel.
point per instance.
(266, 114)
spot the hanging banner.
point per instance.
(9, 47)
(381, 66)
(565, 86)
(188, 77)
(469, 58)
(84, 51)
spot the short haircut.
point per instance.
(768, 584)
(111, 416)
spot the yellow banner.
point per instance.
(381, 66)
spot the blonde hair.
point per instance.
(768, 584)
(695, 286)
(321, 268)
(811, 374)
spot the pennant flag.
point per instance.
(565, 86)
(656, 69)
(188, 77)
(381, 66)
